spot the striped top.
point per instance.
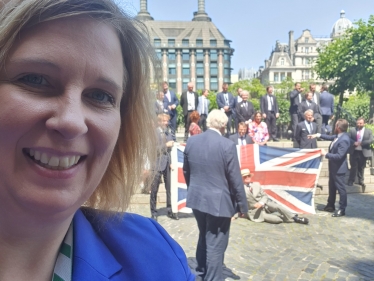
(64, 263)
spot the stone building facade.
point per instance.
(295, 58)
(193, 51)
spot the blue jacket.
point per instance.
(130, 248)
(326, 103)
(337, 155)
(174, 100)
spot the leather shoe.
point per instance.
(339, 213)
(350, 183)
(154, 217)
(173, 216)
(275, 139)
(301, 220)
(363, 186)
(329, 209)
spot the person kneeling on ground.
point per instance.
(261, 208)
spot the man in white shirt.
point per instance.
(189, 102)
(203, 109)
(241, 137)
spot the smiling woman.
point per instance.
(74, 79)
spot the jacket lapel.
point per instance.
(92, 260)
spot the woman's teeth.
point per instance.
(54, 162)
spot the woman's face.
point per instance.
(59, 114)
(258, 118)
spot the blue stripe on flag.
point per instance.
(182, 193)
(180, 156)
(310, 164)
(305, 197)
(268, 153)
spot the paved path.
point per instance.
(326, 249)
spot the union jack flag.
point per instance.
(288, 175)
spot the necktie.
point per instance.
(310, 127)
(308, 104)
(245, 105)
(226, 99)
(242, 140)
(358, 135)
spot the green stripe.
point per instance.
(65, 249)
(57, 278)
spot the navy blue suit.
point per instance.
(221, 102)
(235, 138)
(338, 167)
(301, 135)
(132, 248)
(326, 107)
(215, 193)
(173, 113)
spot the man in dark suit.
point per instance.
(306, 104)
(226, 103)
(327, 106)
(237, 99)
(295, 99)
(244, 109)
(316, 99)
(360, 150)
(162, 165)
(203, 109)
(270, 112)
(305, 128)
(241, 137)
(189, 102)
(338, 166)
(170, 103)
(215, 194)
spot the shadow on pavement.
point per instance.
(227, 272)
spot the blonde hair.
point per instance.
(123, 174)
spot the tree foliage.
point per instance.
(349, 60)
(253, 86)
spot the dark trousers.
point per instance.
(270, 121)
(173, 125)
(213, 240)
(154, 189)
(202, 122)
(318, 120)
(357, 161)
(336, 183)
(294, 122)
(187, 123)
(228, 126)
(236, 122)
(325, 119)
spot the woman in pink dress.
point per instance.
(258, 130)
(194, 127)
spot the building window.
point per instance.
(213, 43)
(276, 77)
(213, 68)
(213, 83)
(172, 84)
(172, 69)
(199, 42)
(199, 55)
(171, 42)
(200, 83)
(283, 76)
(159, 54)
(227, 71)
(171, 54)
(213, 55)
(282, 61)
(185, 81)
(185, 54)
(186, 69)
(157, 42)
(302, 49)
(185, 42)
(200, 68)
(306, 39)
(307, 50)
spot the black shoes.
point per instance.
(173, 216)
(154, 217)
(363, 186)
(275, 139)
(339, 213)
(329, 209)
(301, 220)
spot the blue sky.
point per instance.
(253, 26)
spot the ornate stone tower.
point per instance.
(143, 14)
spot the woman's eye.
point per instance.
(34, 79)
(102, 97)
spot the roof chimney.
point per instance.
(143, 14)
(201, 15)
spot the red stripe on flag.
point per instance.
(181, 178)
(181, 205)
(285, 178)
(284, 202)
(247, 157)
(300, 158)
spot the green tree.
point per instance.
(253, 86)
(349, 60)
